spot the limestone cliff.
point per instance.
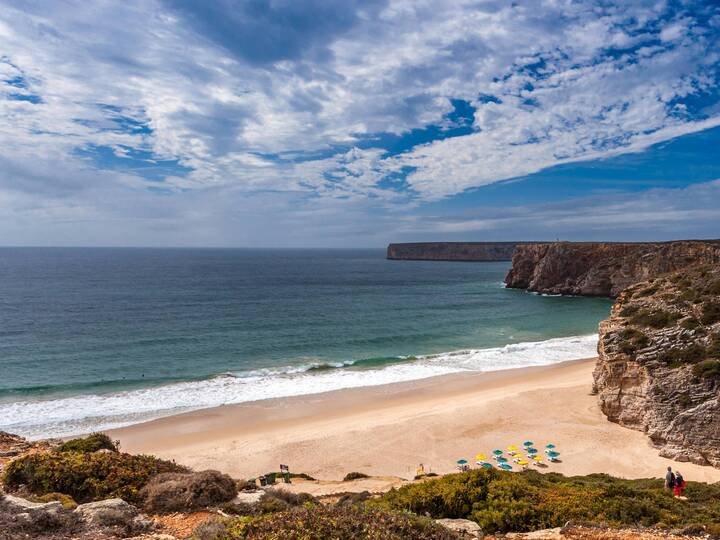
(658, 369)
(599, 268)
(452, 251)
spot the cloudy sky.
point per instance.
(357, 122)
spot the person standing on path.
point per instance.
(679, 484)
(669, 480)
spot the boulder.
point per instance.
(23, 505)
(465, 528)
(113, 514)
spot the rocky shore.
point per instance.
(601, 268)
(658, 368)
(452, 251)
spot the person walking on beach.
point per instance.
(669, 480)
(679, 484)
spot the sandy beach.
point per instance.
(386, 431)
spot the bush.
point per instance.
(633, 340)
(292, 499)
(174, 492)
(654, 318)
(354, 476)
(86, 477)
(683, 355)
(525, 501)
(338, 523)
(710, 369)
(91, 443)
(710, 313)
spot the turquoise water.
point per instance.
(101, 337)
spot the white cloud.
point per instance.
(389, 68)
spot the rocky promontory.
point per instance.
(602, 268)
(452, 251)
(658, 369)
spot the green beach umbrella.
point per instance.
(502, 460)
(528, 443)
(497, 452)
(506, 467)
(462, 461)
(549, 446)
(552, 453)
(487, 465)
(532, 450)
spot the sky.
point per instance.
(318, 123)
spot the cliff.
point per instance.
(658, 369)
(602, 269)
(452, 251)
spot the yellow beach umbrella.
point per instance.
(523, 462)
(480, 457)
(538, 458)
(512, 447)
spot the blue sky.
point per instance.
(357, 123)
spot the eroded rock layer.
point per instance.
(658, 369)
(599, 268)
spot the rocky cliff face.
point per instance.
(601, 269)
(658, 369)
(452, 251)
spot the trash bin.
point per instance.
(263, 480)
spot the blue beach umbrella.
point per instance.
(549, 446)
(487, 465)
(528, 443)
(532, 450)
(497, 452)
(552, 453)
(462, 461)
(502, 460)
(506, 467)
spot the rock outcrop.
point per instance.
(599, 268)
(658, 369)
(452, 251)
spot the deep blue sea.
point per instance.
(97, 338)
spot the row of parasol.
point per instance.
(524, 456)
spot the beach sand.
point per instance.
(386, 431)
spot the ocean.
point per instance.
(98, 338)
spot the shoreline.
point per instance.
(388, 430)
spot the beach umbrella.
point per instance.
(552, 453)
(537, 458)
(502, 460)
(487, 465)
(532, 450)
(480, 457)
(528, 443)
(511, 447)
(497, 452)
(523, 462)
(549, 446)
(506, 467)
(462, 461)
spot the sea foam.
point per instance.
(85, 413)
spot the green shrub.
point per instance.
(339, 523)
(657, 318)
(86, 477)
(713, 350)
(354, 476)
(683, 355)
(91, 443)
(709, 369)
(633, 340)
(503, 502)
(710, 313)
(691, 323)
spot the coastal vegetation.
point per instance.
(86, 476)
(503, 501)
